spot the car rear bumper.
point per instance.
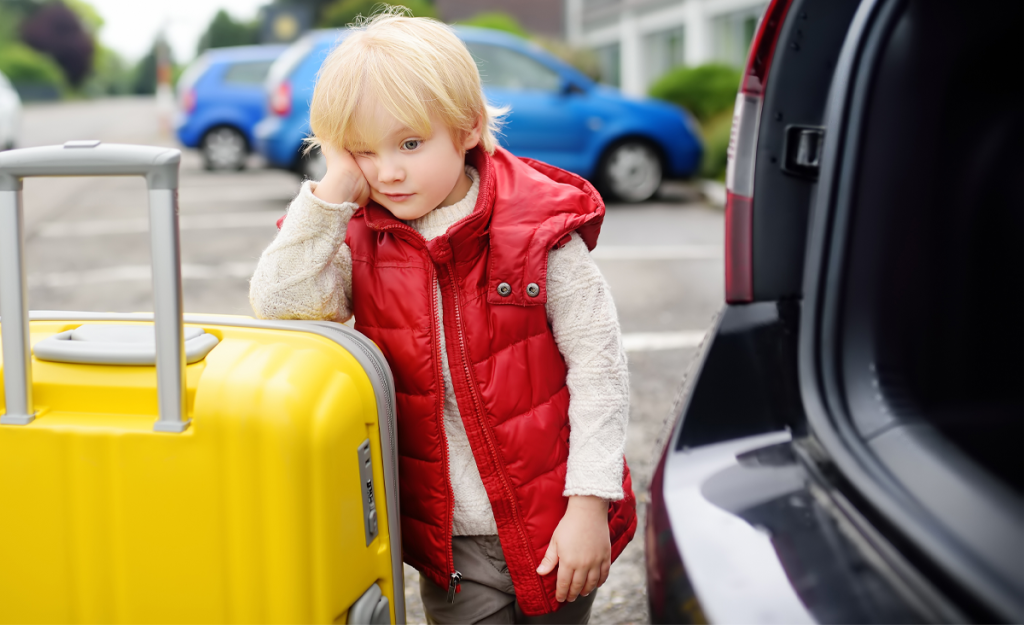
(276, 142)
(743, 525)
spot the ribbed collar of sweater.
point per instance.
(436, 222)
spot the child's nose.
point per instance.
(389, 171)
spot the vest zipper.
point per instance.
(454, 578)
(454, 586)
(483, 426)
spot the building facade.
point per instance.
(638, 41)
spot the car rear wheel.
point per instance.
(631, 171)
(224, 149)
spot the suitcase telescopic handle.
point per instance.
(91, 158)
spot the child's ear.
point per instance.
(473, 136)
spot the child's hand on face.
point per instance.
(581, 548)
(344, 181)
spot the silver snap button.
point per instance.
(504, 289)
(532, 289)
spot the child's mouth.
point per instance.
(398, 197)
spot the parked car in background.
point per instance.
(626, 147)
(849, 445)
(10, 114)
(220, 99)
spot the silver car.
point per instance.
(10, 114)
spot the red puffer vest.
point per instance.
(507, 373)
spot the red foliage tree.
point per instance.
(54, 29)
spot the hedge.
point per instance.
(705, 90)
(22, 64)
(716, 144)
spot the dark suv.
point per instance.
(849, 445)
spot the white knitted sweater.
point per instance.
(306, 273)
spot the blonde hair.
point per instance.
(412, 67)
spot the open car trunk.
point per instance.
(912, 338)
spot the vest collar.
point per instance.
(523, 210)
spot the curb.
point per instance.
(714, 192)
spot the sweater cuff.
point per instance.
(596, 478)
(308, 199)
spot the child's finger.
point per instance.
(549, 561)
(593, 581)
(579, 581)
(606, 566)
(564, 580)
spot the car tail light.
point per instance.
(188, 101)
(281, 99)
(739, 175)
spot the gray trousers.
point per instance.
(486, 594)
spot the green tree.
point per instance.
(143, 75)
(344, 12)
(497, 20)
(10, 22)
(110, 75)
(226, 31)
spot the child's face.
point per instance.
(410, 174)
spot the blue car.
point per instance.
(220, 99)
(558, 115)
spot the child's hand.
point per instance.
(581, 548)
(344, 181)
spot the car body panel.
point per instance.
(570, 124)
(220, 101)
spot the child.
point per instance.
(470, 269)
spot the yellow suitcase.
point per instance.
(248, 477)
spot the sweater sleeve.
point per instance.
(306, 272)
(586, 330)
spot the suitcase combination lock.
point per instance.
(369, 500)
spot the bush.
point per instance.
(716, 133)
(705, 91)
(496, 20)
(25, 66)
(344, 12)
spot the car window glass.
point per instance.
(507, 69)
(192, 73)
(288, 60)
(250, 73)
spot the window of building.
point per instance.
(663, 52)
(609, 64)
(507, 69)
(732, 34)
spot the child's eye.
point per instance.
(411, 144)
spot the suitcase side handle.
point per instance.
(89, 158)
